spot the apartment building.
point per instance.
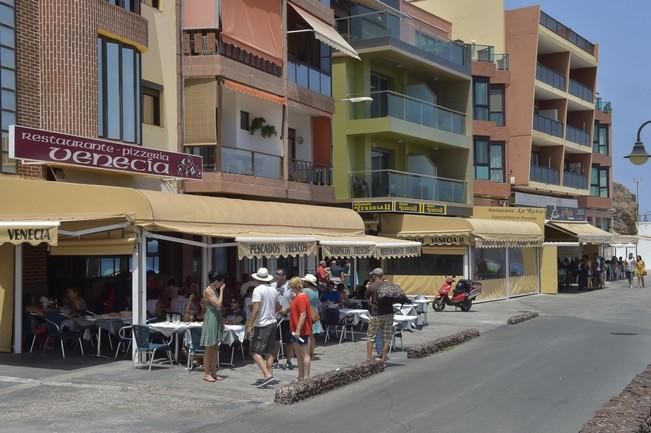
(258, 104)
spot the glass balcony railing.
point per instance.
(575, 180)
(399, 106)
(485, 53)
(566, 33)
(550, 76)
(547, 125)
(545, 175)
(393, 183)
(377, 29)
(208, 152)
(581, 91)
(308, 172)
(603, 106)
(251, 163)
(578, 136)
(309, 77)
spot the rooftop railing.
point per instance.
(603, 106)
(486, 53)
(566, 33)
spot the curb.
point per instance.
(426, 349)
(522, 317)
(324, 382)
(628, 412)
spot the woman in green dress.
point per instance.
(213, 325)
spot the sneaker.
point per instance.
(266, 382)
(259, 381)
(289, 365)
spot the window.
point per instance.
(599, 181)
(118, 93)
(244, 120)
(152, 3)
(535, 159)
(602, 223)
(489, 160)
(480, 98)
(130, 5)
(151, 104)
(291, 143)
(7, 80)
(427, 264)
(497, 104)
(153, 256)
(600, 138)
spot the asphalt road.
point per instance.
(547, 375)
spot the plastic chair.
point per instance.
(193, 340)
(397, 333)
(54, 330)
(124, 336)
(30, 324)
(142, 337)
(331, 319)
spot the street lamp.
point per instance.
(638, 155)
(357, 99)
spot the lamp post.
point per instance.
(638, 155)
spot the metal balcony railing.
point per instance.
(581, 91)
(575, 180)
(375, 29)
(566, 33)
(550, 76)
(308, 172)
(578, 136)
(251, 163)
(486, 53)
(399, 106)
(393, 183)
(547, 125)
(545, 175)
(603, 106)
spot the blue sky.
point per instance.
(624, 37)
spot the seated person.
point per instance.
(192, 310)
(235, 314)
(74, 303)
(178, 302)
(334, 295)
(32, 306)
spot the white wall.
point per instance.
(302, 123)
(233, 136)
(644, 245)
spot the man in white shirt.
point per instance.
(630, 269)
(285, 299)
(263, 317)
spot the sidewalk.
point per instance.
(43, 393)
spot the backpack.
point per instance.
(390, 292)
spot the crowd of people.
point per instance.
(592, 272)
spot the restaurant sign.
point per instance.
(275, 247)
(561, 213)
(389, 251)
(342, 250)
(399, 207)
(33, 235)
(53, 147)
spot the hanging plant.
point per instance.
(268, 131)
(256, 123)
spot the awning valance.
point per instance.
(326, 33)
(388, 248)
(623, 241)
(275, 246)
(30, 232)
(482, 233)
(368, 246)
(251, 91)
(94, 247)
(583, 232)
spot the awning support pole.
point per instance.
(18, 299)
(206, 262)
(138, 284)
(507, 274)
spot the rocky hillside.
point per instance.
(625, 206)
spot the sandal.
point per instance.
(212, 379)
(218, 377)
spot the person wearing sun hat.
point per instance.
(263, 321)
(311, 289)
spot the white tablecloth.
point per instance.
(406, 321)
(232, 333)
(404, 309)
(356, 314)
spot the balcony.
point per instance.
(547, 125)
(575, 180)
(208, 152)
(251, 163)
(307, 172)
(485, 53)
(578, 136)
(398, 184)
(545, 175)
(380, 29)
(603, 106)
(566, 33)
(550, 76)
(581, 91)
(403, 107)
(309, 77)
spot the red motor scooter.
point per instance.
(465, 291)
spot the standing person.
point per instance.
(311, 290)
(263, 318)
(630, 269)
(213, 325)
(348, 269)
(300, 324)
(284, 299)
(596, 260)
(336, 273)
(381, 316)
(640, 271)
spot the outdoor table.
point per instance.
(406, 321)
(404, 309)
(356, 314)
(422, 305)
(111, 323)
(172, 329)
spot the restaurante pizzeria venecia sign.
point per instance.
(52, 147)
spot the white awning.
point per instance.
(326, 33)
